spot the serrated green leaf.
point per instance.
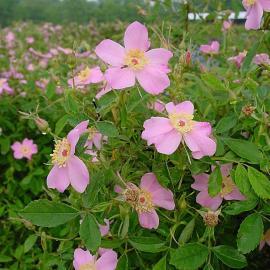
(226, 123)
(215, 182)
(147, 244)
(241, 179)
(237, 208)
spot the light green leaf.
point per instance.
(241, 179)
(187, 232)
(4, 258)
(226, 123)
(30, 242)
(161, 264)
(215, 182)
(239, 207)
(60, 124)
(107, 128)
(147, 244)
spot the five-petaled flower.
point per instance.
(134, 60)
(229, 190)
(24, 149)
(146, 198)
(67, 167)
(212, 48)
(167, 133)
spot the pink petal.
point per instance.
(104, 229)
(201, 182)
(262, 244)
(235, 195)
(119, 78)
(149, 220)
(97, 139)
(159, 56)
(161, 196)
(16, 146)
(107, 261)
(18, 154)
(58, 178)
(136, 37)
(78, 173)
(111, 52)
(153, 79)
(96, 75)
(254, 17)
(103, 91)
(226, 169)
(118, 189)
(81, 257)
(183, 107)
(265, 5)
(170, 142)
(208, 202)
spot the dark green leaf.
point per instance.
(226, 123)
(29, 242)
(161, 264)
(215, 182)
(187, 232)
(241, 179)
(239, 207)
(147, 244)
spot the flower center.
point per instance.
(182, 122)
(25, 150)
(91, 131)
(61, 152)
(136, 59)
(227, 186)
(250, 2)
(84, 74)
(88, 266)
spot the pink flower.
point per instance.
(228, 192)
(167, 133)
(261, 59)
(42, 83)
(68, 168)
(134, 61)
(65, 51)
(265, 239)
(255, 10)
(84, 260)
(238, 59)
(95, 139)
(226, 26)
(106, 89)
(158, 106)
(30, 40)
(146, 198)
(212, 48)
(26, 149)
(104, 229)
(4, 87)
(86, 76)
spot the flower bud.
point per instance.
(42, 125)
(210, 218)
(188, 58)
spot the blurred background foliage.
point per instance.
(82, 11)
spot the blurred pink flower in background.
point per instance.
(134, 61)
(65, 51)
(158, 106)
(24, 149)
(86, 77)
(10, 39)
(228, 192)
(104, 229)
(255, 9)
(84, 260)
(212, 48)
(30, 67)
(146, 198)
(4, 87)
(226, 25)
(238, 59)
(42, 83)
(265, 239)
(30, 40)
(167, 133)
(261, 59)
(67, 167)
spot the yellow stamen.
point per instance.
(25, 150)
(92, 131)
(227, 186)
(250, 2)
(84, 74)
(136, 59)
(182, 122)
(88, 266)
(61, 152)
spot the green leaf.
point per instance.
(213, 81)
(250, 233)
(226, 123)
(259, 182)
(46, 213)
(147, 244)
(107, 128)
(4, 258)
(70, 104)
(189, 257)
(250, 55)
(244, 149)
(122, 263)
(60, 124)
(161, 264)
(30, 242)
(230, 256)
(90, 233)
(237, 208)
(241, 179)
(187, 232)
(215, 182)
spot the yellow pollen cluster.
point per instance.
(250, 2)
(61, 152)
(25, 150)
(88, 266)
(227, 186)
(182, 122)
(139, 199)
(91, 131)
(135, 59)
(84, 74)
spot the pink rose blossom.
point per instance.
(261, 59)
(10, 39)
(238, 59)
(228, 192)
(4, 87)
(30, 40)
(84, 260)
(212, 48)
(42, 83)
(65, 51)
(24, 149)
(265, 239)
(167, 133)
(67, 167)
(104, 229)
(158, 106)
(134, 61)
(226, 26)
(86, 77)
(95, 139)
(146, 198)
(255, 9)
